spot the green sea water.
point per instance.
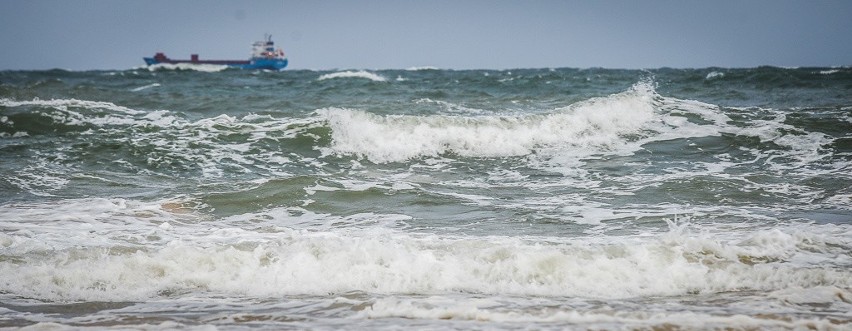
(197, 197)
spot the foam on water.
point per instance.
(595, 125)
(451, 107)
(196, 143)
(41, 178)
(422, 68)
(714, 75)
(604, 318)
(457, 199)
(145, 87)
(64, 104)
(619, 124)
(353, 74)
(120, 250)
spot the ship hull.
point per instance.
(255, 63)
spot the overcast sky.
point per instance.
(454, 34)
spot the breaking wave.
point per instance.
(95, 258)
(599, 123)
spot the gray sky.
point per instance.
(454, 34)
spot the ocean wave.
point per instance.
(354, 74)
(451, 107)
(490, 310)
(619, 124)
(616, 125)
(598, 123)
(158, 140)
(482, 310)
(64, 104)
(114, 257)
(829, 72)
(145, 87)
(714, 75)
(422, 68)
(450, 200)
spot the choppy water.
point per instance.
(425, 198)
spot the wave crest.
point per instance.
(354, 74)
(589, 126)
(87, 258)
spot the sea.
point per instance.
(204, 198)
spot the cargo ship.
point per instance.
(264, 55)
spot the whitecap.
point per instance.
(422, 68)
(714, 75)
(583, 128)
(86, 260)
(64, 104)
(145, 87)
(353, 74)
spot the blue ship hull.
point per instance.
(255, 63)
(265, 64)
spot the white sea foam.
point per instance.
(802, 149)
(422, 68)
(814, 295)
(41, 179)
(354, 74)
(145, 87)
(99, 249)
(802, 146)
(590, 126)
(714, 75)
(64, 104)
(180, 140)
(451, 107)
(17, 134)
(482, 310)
